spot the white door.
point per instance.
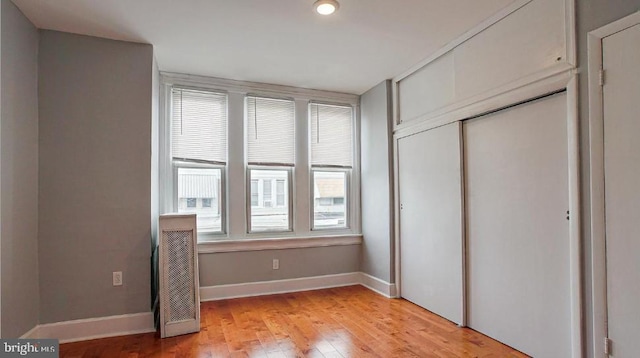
(621, 100)
(431, 237)
(518, 278)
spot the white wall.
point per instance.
(19, 168)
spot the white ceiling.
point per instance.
(274, 41)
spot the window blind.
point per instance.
(331, 136)
(199, 125)
(270, 131)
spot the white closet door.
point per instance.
(431, 241)
(517, 231)
(621, 98)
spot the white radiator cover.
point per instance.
(179, 284)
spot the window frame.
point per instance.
(289, 168)
(169, 165)
(352, 178)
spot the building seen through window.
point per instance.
(199, 193)
(269, 200)
(329, 209)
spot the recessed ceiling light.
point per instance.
(326, 7)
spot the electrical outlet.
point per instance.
(276, 264)
(117, 278)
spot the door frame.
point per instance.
(596, 159)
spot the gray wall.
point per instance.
(254, 266)
(95, 100)
(591, 15)
(19, 130)
(155, 177)
(155, 148)
(376, 183)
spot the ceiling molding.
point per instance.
(265, 89)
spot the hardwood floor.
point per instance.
(340, 322)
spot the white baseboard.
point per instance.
(33, 333)
(93, 328)
(375, 284)
(213, 293)
(221, 292)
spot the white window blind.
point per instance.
(331, 136)
(199, 125)
(270, 131)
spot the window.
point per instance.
(199, 155)
(242, 156)
(270, 156)
(266, 191)
(329, 191)
(324, 201)
(198, 192)
(267, 216)
(280, 192)
(331, 163)
(254, 193)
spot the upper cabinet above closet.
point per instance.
(528, 41)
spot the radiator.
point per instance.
(178, 264)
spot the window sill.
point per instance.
(209, 247)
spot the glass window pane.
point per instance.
(254, 193)
(199, 193)
(329, 199)
(280, 192)
(266, 215)
(266, 192)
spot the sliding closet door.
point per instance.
(517, 227)
(430, 190)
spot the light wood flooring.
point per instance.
(340, 322)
